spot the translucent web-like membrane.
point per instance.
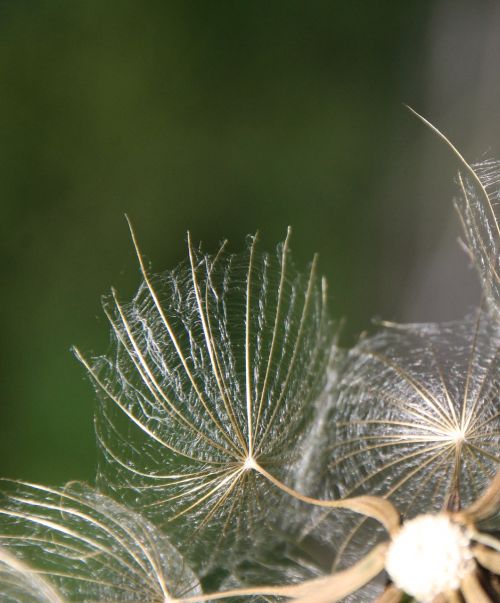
(213, 370)
(416, 419)
(78, 545)
(479, 210)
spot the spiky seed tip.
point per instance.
(430, 555)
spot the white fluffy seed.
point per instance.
(430, 555)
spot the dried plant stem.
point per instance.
(392, 594)
(486, 505)
(473, 591)
(487, 558)
(319, 590)
(371, 506)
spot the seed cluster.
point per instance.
(430, 555)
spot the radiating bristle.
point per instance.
(215, 366)
(88, 547)
(479, 210)
(414, 416)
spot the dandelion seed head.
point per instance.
(430, 555)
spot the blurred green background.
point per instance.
(222, 117)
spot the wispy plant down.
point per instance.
(215, 369)
(414, 418)
(415, 415)
(236, 438)
(87, 547)
(479, 209)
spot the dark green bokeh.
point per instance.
(218, 117)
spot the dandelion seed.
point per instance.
(418, 401)
(207, 399)
(85, 546)
(415, 419)
(212, 377)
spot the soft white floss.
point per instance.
(429, 555)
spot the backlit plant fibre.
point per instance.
(244, 455)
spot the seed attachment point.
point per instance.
(250, 464)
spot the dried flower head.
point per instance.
(431, 554)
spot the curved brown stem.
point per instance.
(372, 506)
(319, 590)
(485, 506)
